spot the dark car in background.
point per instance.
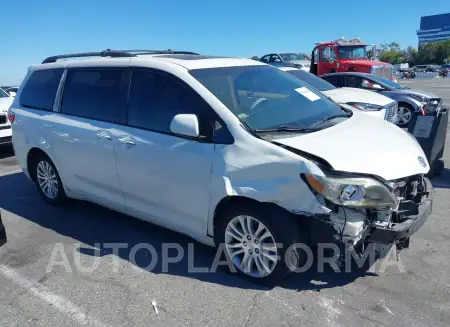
(409, 100)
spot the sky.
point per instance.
(32, 30)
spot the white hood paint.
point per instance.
(365, 145)
(350, 94)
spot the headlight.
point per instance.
(366, 106)
(353, 192)
(418, 97)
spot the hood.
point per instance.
(363, 144)
(363, 62)
(5, 103)
(424, 94)
(303, 62)
(349, 94)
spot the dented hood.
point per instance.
(363, 144)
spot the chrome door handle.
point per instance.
(104, 135)
(127, 140)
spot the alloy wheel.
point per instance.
(47, 179)
(251, 246)
(403, 115)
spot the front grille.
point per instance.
(3, 119)
(5, 140)
(391, 109)
(383, 71)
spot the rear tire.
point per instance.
(250, 233)
(47, 180)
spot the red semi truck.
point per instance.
(347, 56)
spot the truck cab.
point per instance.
(347, 56)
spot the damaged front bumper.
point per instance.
(354, 229)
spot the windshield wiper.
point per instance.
(347, 114)
(287, 129)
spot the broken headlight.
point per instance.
(353, 191)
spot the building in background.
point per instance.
(434, 28)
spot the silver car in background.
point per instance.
(409, 100)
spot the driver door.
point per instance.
(328, 62)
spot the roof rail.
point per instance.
(113, 53)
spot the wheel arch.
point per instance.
(234, 200)
(34, 153)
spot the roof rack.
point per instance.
(114, 54)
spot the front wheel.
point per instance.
(259, 239)
(404, 114)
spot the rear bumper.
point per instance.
(408, 227)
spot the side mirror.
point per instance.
(13, 94)
(276, 60)
(331, 60)
(185, 125)
(377, 86)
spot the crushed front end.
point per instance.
(354, 225)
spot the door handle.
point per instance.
(127, 140)
(104, 135)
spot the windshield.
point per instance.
(352, 52)
(264, 97)
(290, 56)
(387, 82)
(313, 80)
(3, 94)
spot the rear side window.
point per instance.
(40, 90)
(156, 98)
(94, 93)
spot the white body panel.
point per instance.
(178, 183)
(364, 145)
(5, 103)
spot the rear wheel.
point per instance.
(47, 180)
(257, 239)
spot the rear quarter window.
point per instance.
(40, 90)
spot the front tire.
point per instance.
(47, 180)
(404, 114)
(250, 233)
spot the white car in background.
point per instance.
(372, 103)
(5, 126)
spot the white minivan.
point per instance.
(229, 151)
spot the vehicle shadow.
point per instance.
(96, 227)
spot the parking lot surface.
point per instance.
(40, 284)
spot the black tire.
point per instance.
(438, 167)
(285, 228)
(411, 110)
(60, 198)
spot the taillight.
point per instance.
(11, 117)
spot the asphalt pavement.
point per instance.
(41, 283)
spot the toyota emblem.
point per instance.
(422, 161)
